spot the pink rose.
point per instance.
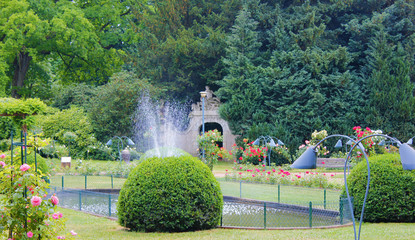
(55, 216)
(2, 156)
(29, 234)
(3, 164)
(74, 233)
(54, 200)
(24, 167)
(36, 201)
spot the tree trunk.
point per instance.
(21, 64)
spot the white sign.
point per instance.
(66, 159)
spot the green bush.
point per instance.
(30, 158)
(172, 194)
(69, 126)
(41, 162)
(164, 152)
(391, 195)
(54, 151)
(5, 145)
(98, 152)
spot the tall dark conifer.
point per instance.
(240, 88)
(391, 93)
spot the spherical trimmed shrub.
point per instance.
(172, 194)
(391, 196)
(164, 152)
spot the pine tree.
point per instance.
(239, 88)
(391, 102)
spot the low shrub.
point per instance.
(391, 196)
(30, 159)
(258, 155)
(26, 211)
(172, 194)
(5, 145)
(100, 152)
(54, 150)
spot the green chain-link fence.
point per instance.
(246, 205)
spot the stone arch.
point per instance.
(212, 126)
(187, 139)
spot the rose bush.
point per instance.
(26, 211)
(258, 155)
(208, 144)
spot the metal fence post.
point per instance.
(265, 215)
(80, 201)
(240, 189)
(325, 198)
(310, 215)
(109, 205)
(221, 219)
(341, 211)
(112, 181)
(63, 182)
(86, 182)
(279, 192)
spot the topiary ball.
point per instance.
(172, 194)
(391, 196)
(163, 152)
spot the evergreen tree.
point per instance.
(181, 43)
(312, 85)
(391, 102)
(239, 88)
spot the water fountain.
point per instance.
(158, 126)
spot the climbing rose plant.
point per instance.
(208, 144)
(26, 210)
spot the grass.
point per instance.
(222, 166)
(265, 192)
(92, 227)
(269, 192)
(92, 182)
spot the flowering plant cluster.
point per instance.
(249, 154)
(368, 143)
(315, 138)
(259, 173)
(257, 155)
(26, 210)
(37, 141)
(209, 144)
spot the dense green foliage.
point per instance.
(72, 122)
(172, 194)
(390, 108)
(72, 40)
(298, 76)
(111, 109)
(21, 111)
(281, 68)
(391, 195)
(181, 43)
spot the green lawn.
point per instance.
(92, 227)
(92, 182)
(265, 192)
(288, 194)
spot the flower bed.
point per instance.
(259, 173)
